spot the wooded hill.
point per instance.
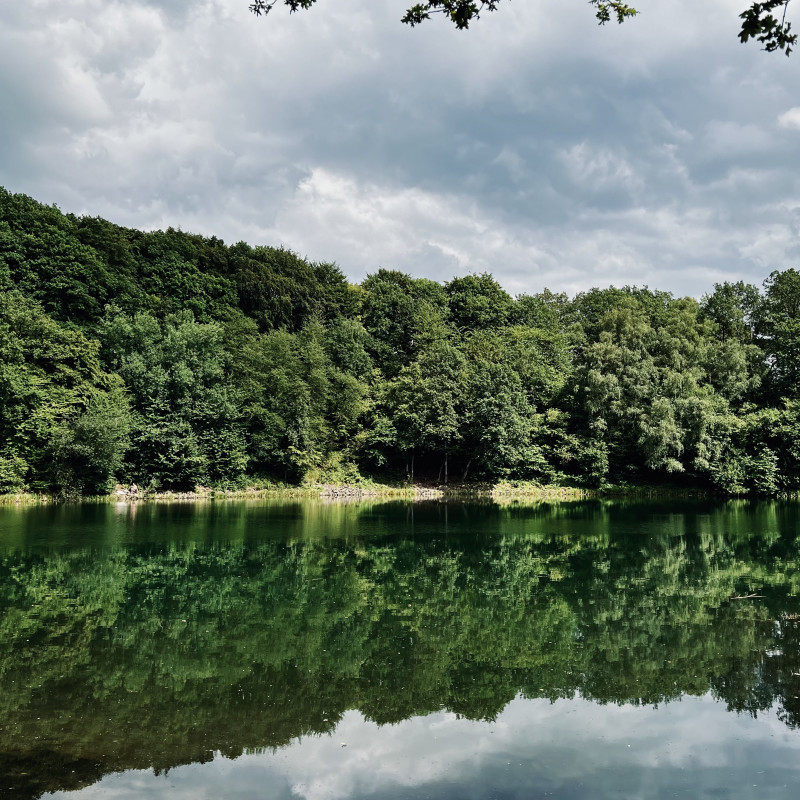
(171, 359)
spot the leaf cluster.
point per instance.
(758, 21)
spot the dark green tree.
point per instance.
(403, 316)
(478, 302)
(187, 420)
(63, 419)
(758, 21)
(424, 403)
(778, 326)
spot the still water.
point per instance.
(394, 650)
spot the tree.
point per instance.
(736, 364)
(187, 425)
(478, 302)
(460, 12)
(63, 419)
(424, 401)
(281, 290)
(499, 424)
(758, 21)
(403, 316)
(779, 327)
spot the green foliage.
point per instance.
(500, 425)
(460, 12)
(778, 325)
(187, 426)
(478, 303)
(544, 311)
(13, 469)
(347, 344)
(605, 9)
(46, 261)
(280, 290)
(499, 416)
(173, 360)
(63, 420)
(758, 21)
(403, 316)
(423, 401)
(733, 307)
(181, 272)
(87, 450)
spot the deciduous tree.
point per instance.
(758, 21)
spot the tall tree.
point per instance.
(478, 302)
(425, 403)
(63, 419)
(404, 316)
(779, 329)
(187, 427)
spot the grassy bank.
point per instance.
(501, 492)
(26, 498)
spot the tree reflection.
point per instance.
(155, 655)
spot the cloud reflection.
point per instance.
(566, 749)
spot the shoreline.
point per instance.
(501, 492)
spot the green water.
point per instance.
(396, 650)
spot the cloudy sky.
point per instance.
(536, 145)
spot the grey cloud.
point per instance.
(535, 145)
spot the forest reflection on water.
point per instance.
(515, 649)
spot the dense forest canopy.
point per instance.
(764, 20)
(172, 359)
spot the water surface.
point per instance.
(397, 650)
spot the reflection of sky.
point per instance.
(568, 749)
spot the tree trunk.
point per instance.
(466, 470)
(412, 465)
(445, 467)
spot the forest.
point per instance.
(175, 360)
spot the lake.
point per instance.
(392, 650)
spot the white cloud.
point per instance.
(790, 118)
(673, 246)
(599, 169)
(379, 226)
(733, 138)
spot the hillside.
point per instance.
(171, 360)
